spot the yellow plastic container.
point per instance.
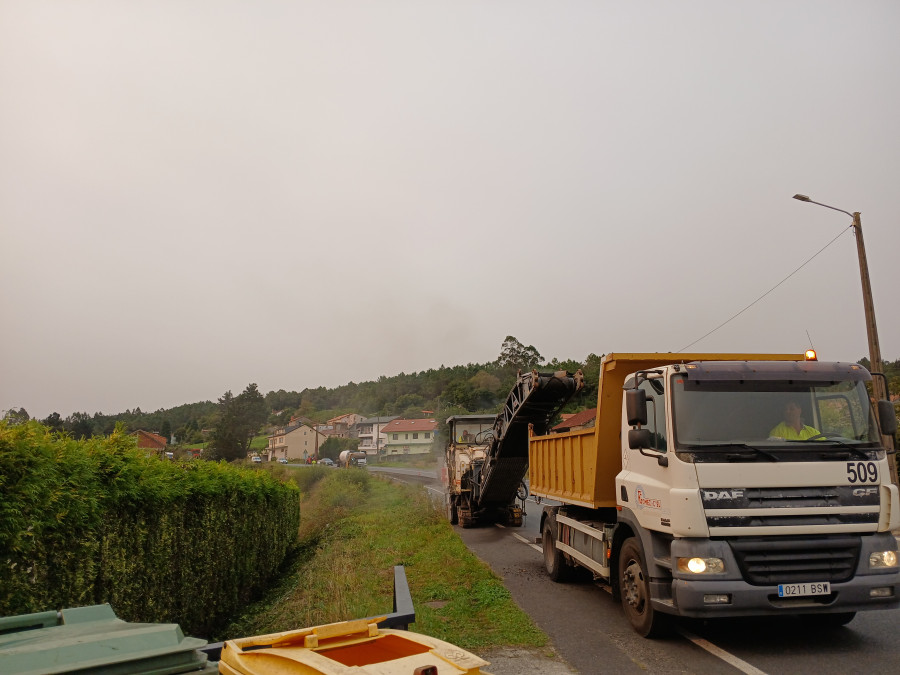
(350, 647)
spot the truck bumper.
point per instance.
(702, 599)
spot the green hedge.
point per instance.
(92, 521)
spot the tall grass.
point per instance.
(354, 529)
(428, 460)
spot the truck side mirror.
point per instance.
(638, 439)
(887, 418)
(636, 406)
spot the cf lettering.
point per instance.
(865, 492)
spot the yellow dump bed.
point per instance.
(580, 467)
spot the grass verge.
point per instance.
(354, 529)
(423, 461)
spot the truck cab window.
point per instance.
(656, 412)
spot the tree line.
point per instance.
(229, 424)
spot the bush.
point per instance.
(84, 522)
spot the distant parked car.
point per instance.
(326, 461)
(256, 459)
(282, 461)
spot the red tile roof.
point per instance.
(147, 439)
(410, 425)
(576, 420)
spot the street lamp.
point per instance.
(878, 384)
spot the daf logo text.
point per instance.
(711, 495)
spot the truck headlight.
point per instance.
(883, 559)
(701, 565)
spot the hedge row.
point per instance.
(84, 522)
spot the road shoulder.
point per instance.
(521, 661)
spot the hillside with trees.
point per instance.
(230, 423)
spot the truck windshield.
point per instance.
(472, 432)
(769, 415)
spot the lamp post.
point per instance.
(878, 384)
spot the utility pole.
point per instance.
(377, 437)
(879, 389)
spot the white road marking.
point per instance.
(528, 543)
(728, 658)
(718, 652)
(502, 527)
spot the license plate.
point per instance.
(809, 588)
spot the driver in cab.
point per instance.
(792, 427)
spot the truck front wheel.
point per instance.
(634, 587)
(554, 562)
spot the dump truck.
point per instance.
(690, 498)
(487, 455)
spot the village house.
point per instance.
(409, 437)
(296, 441)
(344, 426)
(370, 432)
(582, 420)
(147, 440)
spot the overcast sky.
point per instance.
(196, 195)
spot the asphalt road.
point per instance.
(588, 629)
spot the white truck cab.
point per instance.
(727, 485)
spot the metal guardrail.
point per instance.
(404, 613)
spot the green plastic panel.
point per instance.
(93, 640)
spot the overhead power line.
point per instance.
(727, 321)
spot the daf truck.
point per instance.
(690, 499)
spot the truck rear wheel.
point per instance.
(554, 561)
(452, 513)
(634, 587)
(465, 515)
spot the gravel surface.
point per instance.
(518, 661)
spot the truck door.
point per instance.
(644, 477)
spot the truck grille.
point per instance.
(776, 560)
(788, 520)
(823, 505)
(786, 498)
